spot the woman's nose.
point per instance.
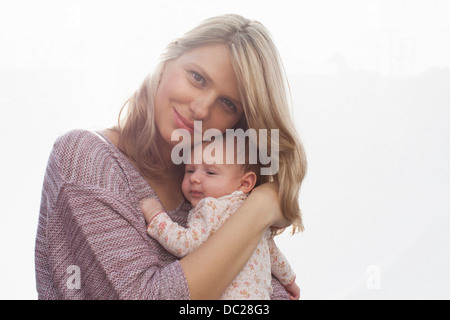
(201, 107)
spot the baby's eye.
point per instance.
(210, 173)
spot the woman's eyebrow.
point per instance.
(203, 71)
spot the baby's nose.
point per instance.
(194, 178)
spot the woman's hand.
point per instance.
(293, 290)
(150, 208)
(267, 195)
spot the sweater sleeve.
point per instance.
(279, 291)
(113, 258)
(91, 241)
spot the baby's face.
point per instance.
(210, 179)
(215, 180)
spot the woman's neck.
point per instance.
(165, 150)
(173, 172)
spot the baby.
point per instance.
(216, 191)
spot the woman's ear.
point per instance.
(248, 181)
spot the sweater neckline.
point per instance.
(184, 206)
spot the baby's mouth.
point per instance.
(196, 194)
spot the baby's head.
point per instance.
(212, 179)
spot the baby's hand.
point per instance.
(150, 207)
(293, 290)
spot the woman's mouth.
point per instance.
(182, 123)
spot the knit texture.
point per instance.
(91, 240)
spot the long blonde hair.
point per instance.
(264, 95)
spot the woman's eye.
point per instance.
(198, 78)
(229, 105)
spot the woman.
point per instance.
(92, 242)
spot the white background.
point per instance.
(370, 82)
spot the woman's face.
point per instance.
(200, 85)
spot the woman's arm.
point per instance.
(86, 227)
(213, 266)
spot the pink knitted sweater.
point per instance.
(91, 240)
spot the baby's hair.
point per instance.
(249, 166)
(240, 152)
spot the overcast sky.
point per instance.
(369, 82)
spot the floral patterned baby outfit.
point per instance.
(254, 281)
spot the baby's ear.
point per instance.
(248, 181)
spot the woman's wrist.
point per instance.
(260, 206)
(265, 200)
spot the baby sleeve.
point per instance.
(180, 241)
(281, 268)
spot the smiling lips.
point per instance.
(183, 123)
